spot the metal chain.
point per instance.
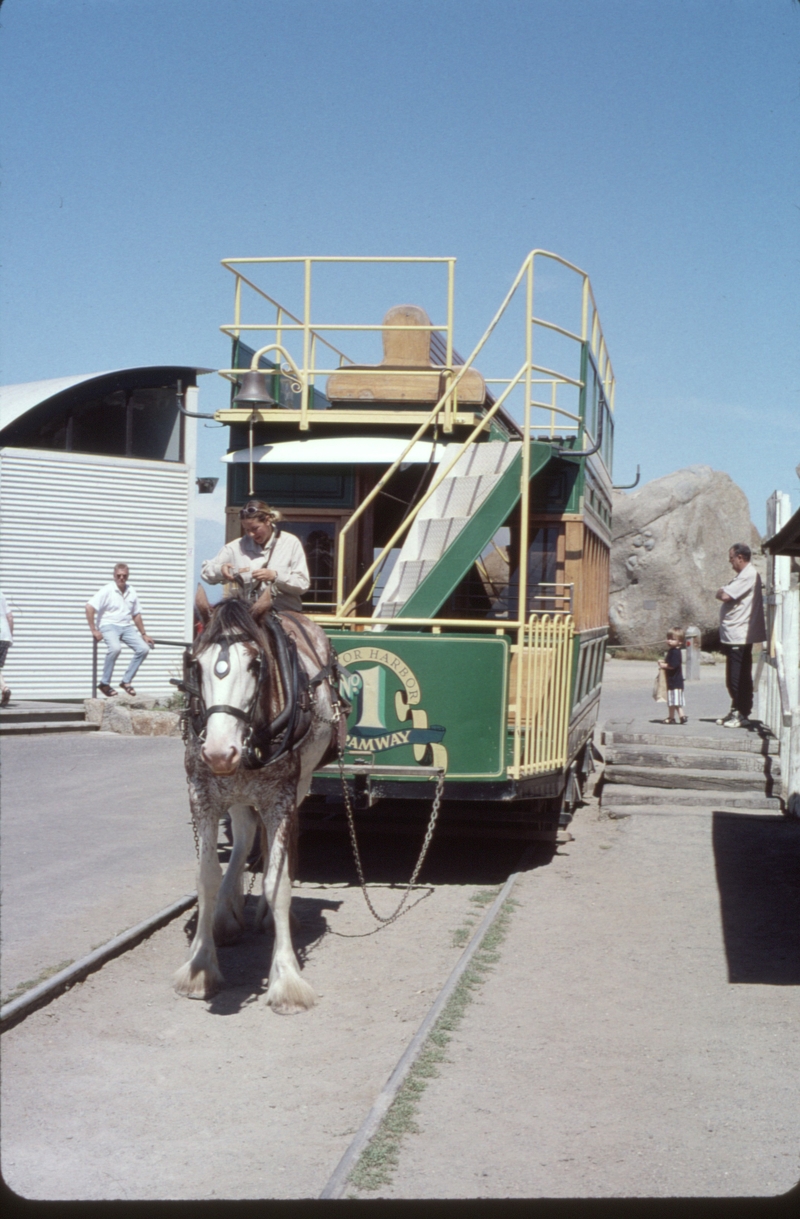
(437, 800)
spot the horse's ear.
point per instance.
(263, 605)
(201, 605)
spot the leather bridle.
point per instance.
(263, 743)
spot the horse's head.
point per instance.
(228, 655)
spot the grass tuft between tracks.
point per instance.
(42, 977)
(381, 1156)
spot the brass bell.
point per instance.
(253, 391)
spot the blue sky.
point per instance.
(654, 144)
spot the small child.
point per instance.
(673, 664)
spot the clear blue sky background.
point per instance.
(656, 144)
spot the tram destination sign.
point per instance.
(428, 700)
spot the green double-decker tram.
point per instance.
(456, 523)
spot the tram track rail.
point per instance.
(17, 1009)
(338, 1181)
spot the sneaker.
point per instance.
(736, 721)
(724, 720)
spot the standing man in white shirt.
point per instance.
(6, 640)
(114, 614)
(741, 624)
(263, 555)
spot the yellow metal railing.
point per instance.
(306, 370)
(539, 705)
(312, 334)
(591, 332)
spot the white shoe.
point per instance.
(737, 721)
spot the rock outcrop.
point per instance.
(132, 716)
(669, 554)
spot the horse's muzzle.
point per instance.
(222, 762)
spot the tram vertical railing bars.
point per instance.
(448, 359)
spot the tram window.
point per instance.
(542, 569)
(493, 565)
(319, 542)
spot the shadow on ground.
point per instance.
(245, 965)
(390, 837)
(758, 875)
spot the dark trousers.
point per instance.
(739, 675)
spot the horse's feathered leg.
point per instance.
(288, 993)
(229, 914)
(200, 977)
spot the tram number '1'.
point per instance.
(370, 685)
(369, 688)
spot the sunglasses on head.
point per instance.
(251, 510)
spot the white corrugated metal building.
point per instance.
(94, 471)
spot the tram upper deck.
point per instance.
(436, 500)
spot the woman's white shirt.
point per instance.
(283, 553)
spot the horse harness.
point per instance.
(264, 743)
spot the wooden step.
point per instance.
(694, 778)
(666, 758)
(37, 716)
(632, 797)
(684, 738)
(38, 727)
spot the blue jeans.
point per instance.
(114, 637)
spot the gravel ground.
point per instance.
(639, 1035)
(95, 838)
(122, 1090)
(609, 1054)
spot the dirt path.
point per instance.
(120, 1089)
(638, 1036)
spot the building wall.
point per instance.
(65, 520)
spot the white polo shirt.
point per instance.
(741, 621)
(114, 608)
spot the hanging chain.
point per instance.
(437, 800)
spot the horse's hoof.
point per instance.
(197, 984)
(289, 996)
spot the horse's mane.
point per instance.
(231, 616)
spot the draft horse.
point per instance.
(264, 711)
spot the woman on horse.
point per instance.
(263, 554)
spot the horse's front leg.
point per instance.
(287, 993)
(229, 916)
(200, 977)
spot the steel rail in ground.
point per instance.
(37, 996)
(337, 1183)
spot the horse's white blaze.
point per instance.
(224, 735)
